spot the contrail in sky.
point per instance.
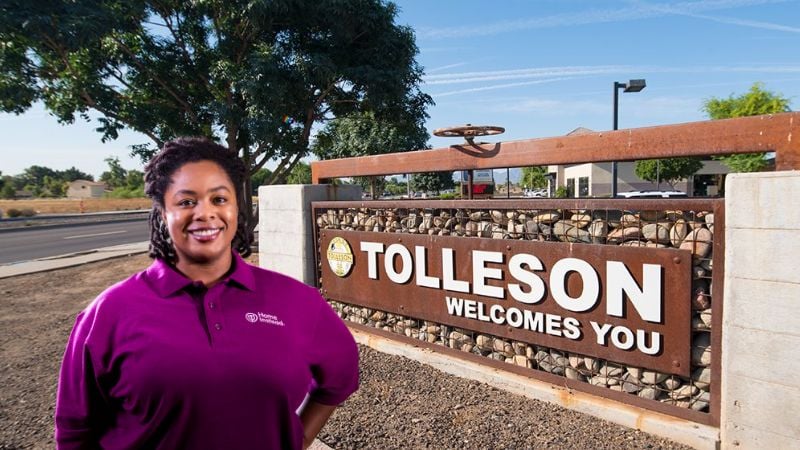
(639, 10)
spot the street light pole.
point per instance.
(630, 86)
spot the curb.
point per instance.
(72, 259)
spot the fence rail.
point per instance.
(741, 135)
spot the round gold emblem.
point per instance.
(340, 257)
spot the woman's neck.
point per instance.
(207, 273)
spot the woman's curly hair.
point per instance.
(158, 175)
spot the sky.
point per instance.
(538, 68)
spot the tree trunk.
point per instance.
(248, 191)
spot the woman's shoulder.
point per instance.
(119, 293)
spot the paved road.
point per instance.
(33, 243)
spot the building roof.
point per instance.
(579, 131)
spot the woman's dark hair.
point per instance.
(158, 175)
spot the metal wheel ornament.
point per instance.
(469, 132)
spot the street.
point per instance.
(20, 245)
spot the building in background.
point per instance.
(594, 179)
(85, 189)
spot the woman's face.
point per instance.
(201, 213)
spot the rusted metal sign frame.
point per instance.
(772, 132)
(716, 205)
(549, 324)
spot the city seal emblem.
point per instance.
(340, 257)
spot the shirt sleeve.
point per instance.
(334, 358)
(80, 404)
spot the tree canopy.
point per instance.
(754, 102)
(668, 170)
(534, 177)
(254, 75)
(366, 134)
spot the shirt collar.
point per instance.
(166, 280)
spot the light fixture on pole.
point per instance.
(630, 86)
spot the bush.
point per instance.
(122, 192)
(447, 196)
(27, 212)
(561, 192)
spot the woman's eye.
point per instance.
(186, 202)
(221, 200)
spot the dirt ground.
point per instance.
(400, 404)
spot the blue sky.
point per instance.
(537, 68)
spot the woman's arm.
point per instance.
(314, 417)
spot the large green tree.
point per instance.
(534, 177)
(432, 181)
(668, 170)
(365, 133)
(256, 75)
(754, 102)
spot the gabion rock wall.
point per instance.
(688, 230)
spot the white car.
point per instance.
(652, 194)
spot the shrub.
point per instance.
(27, 212)
(13, 212)
(122, 192)
(447, 196)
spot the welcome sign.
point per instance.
(624, 304)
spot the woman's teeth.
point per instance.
(208, 232)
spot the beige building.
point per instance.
(85, 189)
(594, 179)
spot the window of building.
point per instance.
(570, 187)
(583, 187)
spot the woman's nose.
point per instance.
(205, 210)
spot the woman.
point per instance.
(202, 350)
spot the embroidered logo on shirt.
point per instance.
(340, 257)
(263, 318)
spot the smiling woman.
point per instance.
(200, 214)
(202, 350)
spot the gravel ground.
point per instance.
(401, 403)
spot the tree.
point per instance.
(256, 76)
(432, 181)
(54, 186)
(73, 174)
(116, 175)
(301, 174)
(365, 134)
(756, 101)
(35, 175)
(8, 191)
(668, 170)
(534, 177)
(261, 177)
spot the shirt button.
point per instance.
(218, 326)
(211, 305)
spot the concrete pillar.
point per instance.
(285, 226)
(761, 318)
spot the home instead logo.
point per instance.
(261, 317)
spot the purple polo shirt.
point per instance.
(159, 362)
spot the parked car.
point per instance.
(653, 194)
(536, 193)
